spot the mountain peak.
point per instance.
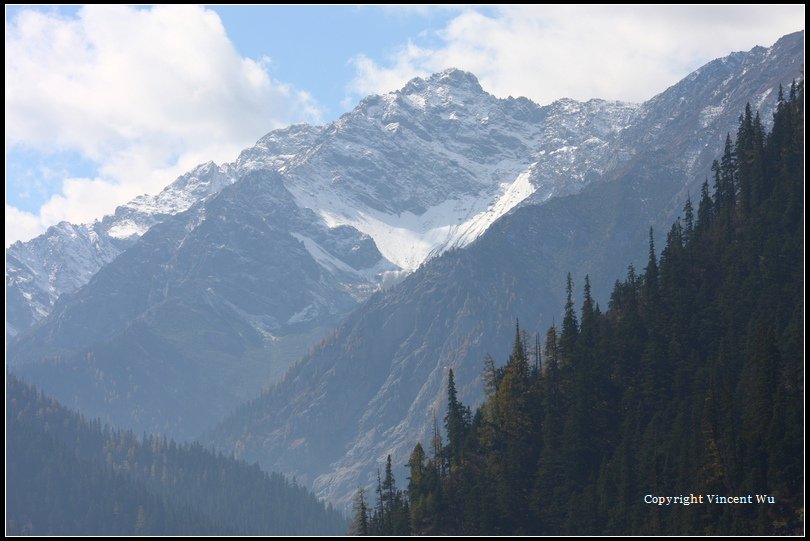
(451, 78)
(456, 77)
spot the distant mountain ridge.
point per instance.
(274, 249)
(66, 256)
(434, 129)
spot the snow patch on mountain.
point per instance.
(126, 229)
(512, 195)
(322, 257)
(408, 239)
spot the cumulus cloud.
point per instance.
(25, 225)
(547, 52)
(145, 94)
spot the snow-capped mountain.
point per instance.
(66, 256)
(234, 271)
(420, 170)
(433, 165)
(377, 383)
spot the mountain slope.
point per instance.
(213, 303)
(434, 164)
(382, 168)
(181, 326)
(66, 256)
(691, 377)
(52, 491)
(375, 385)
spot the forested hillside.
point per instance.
(690, 382)
(69, 476)
(372, 386)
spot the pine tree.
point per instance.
(360, 524)
(705, 207)
(688, 220)
(570, 326)
(438, 454)
(651, 273)
(389, 493)
(490, 376)
(588, 326)
(455, 422)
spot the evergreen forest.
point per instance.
(66, 475)
(689, 382)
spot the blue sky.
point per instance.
(313, 49)
(106, 103)
(306, 48)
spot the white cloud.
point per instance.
(78, 199)
(146, 94)
(20, 225)
(613, 52)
